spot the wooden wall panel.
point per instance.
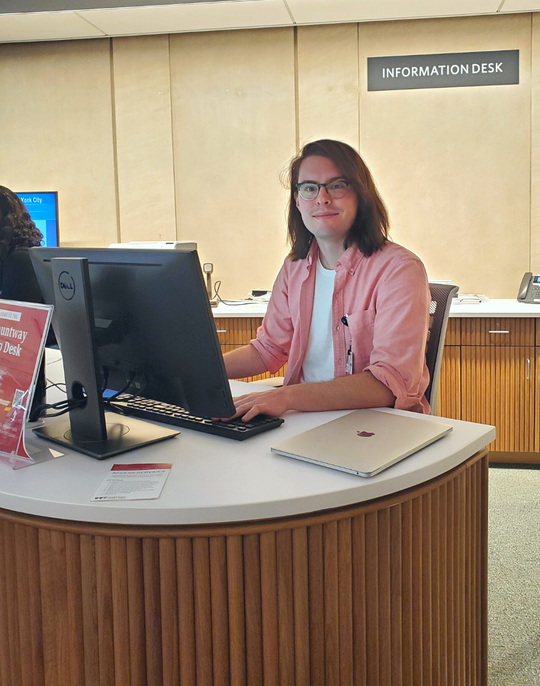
(453, 164)
(11, 630)
(186, 611)
(135, 586)
(534, 263)
(300, 575)
(57, 132)
(220, 613)
(169, 611)
(233, 98)
(89, 609)
(121, 610)
(142, 107)
(390, 591)
(328, 89)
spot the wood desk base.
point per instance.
(392, 591)
(506, 457)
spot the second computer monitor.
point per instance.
(42, 207)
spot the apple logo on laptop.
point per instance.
(365, 434)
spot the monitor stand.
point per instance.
(89, 429)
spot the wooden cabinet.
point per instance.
(497, 375)
(489, 376)
(234, 332)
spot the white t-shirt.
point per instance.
(319, 361)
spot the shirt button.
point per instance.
(337, 327)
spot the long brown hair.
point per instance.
(16, 227)
(370, 228)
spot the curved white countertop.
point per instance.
(491, 308)
(240, 309)
(217, 480)
(495, 308)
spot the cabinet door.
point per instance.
(235, 332)
(449, 404)
(498, 389)
(536, 405)
(226, 347)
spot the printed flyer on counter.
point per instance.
(134, 482)
(23, 332)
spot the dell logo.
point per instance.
(66, 285)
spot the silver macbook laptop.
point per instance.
(363, 442)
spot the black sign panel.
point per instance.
(450, 70)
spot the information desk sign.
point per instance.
(23, 332)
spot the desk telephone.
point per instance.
(529, 291)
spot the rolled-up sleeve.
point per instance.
(398, 357)
(275, 334)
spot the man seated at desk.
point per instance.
(349, 308)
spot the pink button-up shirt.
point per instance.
(386, 299)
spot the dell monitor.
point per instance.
(149, 320)
(42, 207)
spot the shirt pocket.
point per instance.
(361, 330)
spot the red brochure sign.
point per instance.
(23, 332)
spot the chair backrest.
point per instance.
(439, 309)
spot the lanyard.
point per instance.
(349, 364)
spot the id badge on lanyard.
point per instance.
(349, 365)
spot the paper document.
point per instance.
(134, 482)
(469, 299)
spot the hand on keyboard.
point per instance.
(273, 403)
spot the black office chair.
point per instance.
(439, 309)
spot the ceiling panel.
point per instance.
(191, 17)
(20, 6)
(319, 11)
(164, 16)
(45, 26)
(521, 6)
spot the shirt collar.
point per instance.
(350, 259)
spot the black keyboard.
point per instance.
(171, 414)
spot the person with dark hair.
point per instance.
(17, 233)
(18, 281)
(349, 309)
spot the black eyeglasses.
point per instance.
(309, 190)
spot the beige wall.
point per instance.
(185, 136)
(56, 132)
(453, 164)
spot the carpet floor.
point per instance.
(514, 577)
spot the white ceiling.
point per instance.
(232, 14)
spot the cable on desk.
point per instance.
(247, 300)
